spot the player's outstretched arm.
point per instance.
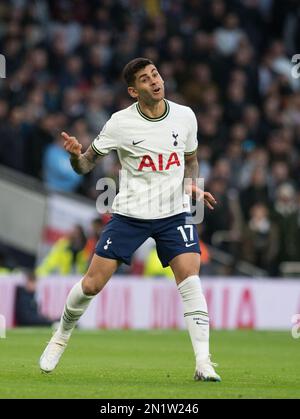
(191, 172)
(81, 163)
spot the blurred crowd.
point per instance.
(230, 60)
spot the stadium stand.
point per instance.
(229, 60)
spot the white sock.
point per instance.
(196, 316)
(76, 304)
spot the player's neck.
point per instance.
(154, 110)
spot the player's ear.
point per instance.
(132, 92)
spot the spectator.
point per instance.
(251, 120)
(12, 141)
(235, 103)
(26, 308)
(68, 255)
(286, 216)
(95, 112)
(258, 157)
(215, 16)
(280, 173)
(221, 218)
(260, 244)
(199, 83)
(97, 226)
(153, 266)
(229, 36)
(72, 74)
(256, 192)
(39, 138)
(58, 174)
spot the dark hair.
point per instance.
(133, 67)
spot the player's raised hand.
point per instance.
(199, 195)
(71, 144)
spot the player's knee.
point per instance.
(91, 285)
(184, 275)
(186, 271)
(193, 270)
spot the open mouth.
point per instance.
(157, 90)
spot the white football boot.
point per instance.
(205, 371)
(51, 355)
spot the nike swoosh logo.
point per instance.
(189, 245)
(137, 142)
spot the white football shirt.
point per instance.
(151, 153)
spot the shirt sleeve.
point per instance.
(191, 142)
(107, 139)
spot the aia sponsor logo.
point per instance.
(160, 164)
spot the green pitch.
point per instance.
(154, 364)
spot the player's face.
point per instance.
(148, 86)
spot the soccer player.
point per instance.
(156, 141)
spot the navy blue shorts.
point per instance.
(123, 235)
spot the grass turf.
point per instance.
(150, 364)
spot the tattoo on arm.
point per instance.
(85, 162)
(191, 170)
